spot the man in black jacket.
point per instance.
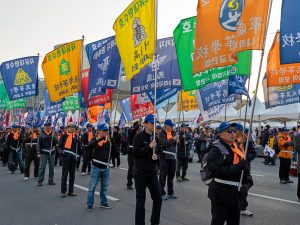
(116, 144)
(70, 150)
(100, 146)
(146, 151)
(87, 153)
(226, 162)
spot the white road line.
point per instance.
(276, 199)
(120, 168)
(257, 175)
(96, 192)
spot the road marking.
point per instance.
(120, 168)
(276, 199)
(257, 175)
(96, 192)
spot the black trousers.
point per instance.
(116, 156)
(57, 158)
(87, 158)
(182, 164)
(130, 160)
(141, 183)
(5, 156)
(298, 186)
(243, 194)
(284, 168)
(68, 168)
(31, 155)
(167, 173)
(224, 213)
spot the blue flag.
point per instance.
(215, 94)
(20, 77)
(125, 105)
(83, 118)
(106, 117)
(162, 95)
(122, 121)
(290, 32)
(92, 47)
(105, 68)
(51, 107)
(236, 85)
(168, 75)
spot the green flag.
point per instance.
(5, 103)
(184, 43)
(70, 103)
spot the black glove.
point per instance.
(243, 164)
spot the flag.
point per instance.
(163, 95)
(236, 85)
(92, 47)
(279, 74)
(168, 75)
(37, 117)
(125, 106)
(122, 120)
(187, 101)
(184, 35)
(139, 110)
(135, 36)
(51, 107)
(106, 116)
(105, 68)
(20, 77)
(83, 118)
(71, 103)
(61, 69)
(289, 32)
(5, 101)
(226, 27)
(101, 119)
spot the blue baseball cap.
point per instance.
(169, 122)
(89, 125)
(246, 130)
(224, 125)
(102, 127)
(239, 126)
(158, 126)
(285, 129)
(47, 124)
(184, 125)
(150, 119)
(14, 126)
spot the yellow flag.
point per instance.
(135, 36)
(188, 101)
(61, 69)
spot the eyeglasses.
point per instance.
(230, 131)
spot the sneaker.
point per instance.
(12, 172)
(83, 174)
(40, 184)
(90, 208)
(283, 182)
(289, 181)
(26, 178)
(105, 206)
(179, 179)
(129, 187)
(246, 213)
(172, 197)
(72, 194)
(63, 195)
(185, 179)
(51, 183)
(164, 197)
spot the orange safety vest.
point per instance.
(285, 152)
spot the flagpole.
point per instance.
(257, 82)
(167, 109)
(155, 71)
(117, 94)
(246, 110)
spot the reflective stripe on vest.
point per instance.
(169, 153)
(286, 151)
(232, 183)
(48, 150)
(70, 152)
(102, 163)
(16, 149)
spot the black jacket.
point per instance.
(70, 154)
(131, 134)
(46, 142)
(100, 153)
(116, 142)
(183, 148)
(12, 143)
(30, 143)
(143, 163)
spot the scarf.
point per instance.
(238, 154)
(100, 143)
(169, 135)
(69, 140)
(34, 135)
(48, 133)
(16, 135)
(90, 136)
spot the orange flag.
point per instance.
(226, 27)
(277, 74)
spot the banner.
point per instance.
(215, 94)
(184, 41)
(168, 75)
(140, 109)
(20, 77)
(5, 102)
(122, 121)
(61, 69)
(92, 47)
(125, 105)
(289, 32)
(268, 151)
(281, 95)
(277, 73)
(236, 85)
(226, 27)
(105, 68)
(162, 95)
(187, 101)
(71, 103)
(51, 107)
(135, 36)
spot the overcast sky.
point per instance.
(29, 27)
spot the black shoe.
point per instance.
(289, 181)
(129, 187)
(51, 183)
(72, 194)
(106, 206)
(40, 184)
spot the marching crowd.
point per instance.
(155, 155)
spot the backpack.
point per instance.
(205, 173)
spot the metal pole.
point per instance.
(256, 88)
(167, 109)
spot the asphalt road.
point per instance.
(24, 203)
